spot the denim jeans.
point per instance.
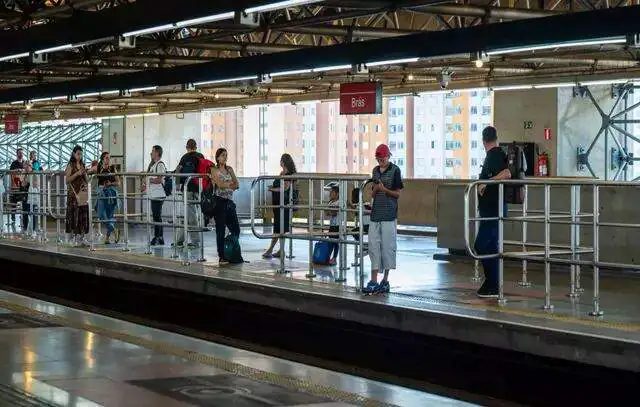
(156, 213)
(27, 214)
(106, 213)
(487, 242)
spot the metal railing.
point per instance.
(315, 226)
(574, 218)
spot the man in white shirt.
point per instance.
(157, 193)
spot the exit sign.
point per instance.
(361, 98)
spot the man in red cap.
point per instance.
(387, 184)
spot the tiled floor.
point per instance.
(70, 366)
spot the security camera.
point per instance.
(444, 78)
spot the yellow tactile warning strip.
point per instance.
(289, 382)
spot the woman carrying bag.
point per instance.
(225, 215)
(77, 219)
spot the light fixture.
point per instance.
(28, 105)
(410, 77)
(479, 58)
(293, 72)
(229, 80)
(18, 102)
(147, 89)
(206, 19)
(86, 95)
(15, 56)
(331, 68)
(604, 82)
(513, 87)
(216, 95)
(54, 49)
(554, 85)
(279, 5)
(392, 62)
(150, 30)
(603, 41)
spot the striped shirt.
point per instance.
(385, 207)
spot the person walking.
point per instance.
(225, 183)
(387, 184)
(495, 167)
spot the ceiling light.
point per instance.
(479, 63)
(109, 92)
(293, 72)
(54, 49)
(216, 95)
(332, 68)
(15, 56)
(604, 82)
(207, 19)
(604, 41)
(554, 85)
(150, 30)
(18, 102)
(92, 108)
(149, 88)
(279, 5)
(86, 95)
(392, 62)
(410, 77)
(28, 106)
(229, 80)
(514, 87)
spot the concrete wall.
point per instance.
(540, 106)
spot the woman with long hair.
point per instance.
(281, 225)
(107, 196)
(77, 219)
(225, 183)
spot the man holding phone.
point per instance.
(387, 184)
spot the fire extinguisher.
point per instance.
(543, 165)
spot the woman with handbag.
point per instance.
(77, 219)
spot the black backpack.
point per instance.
(516, 162)
(232, 250)
(190, 167)
(208, 201)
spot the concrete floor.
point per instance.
(72, 358)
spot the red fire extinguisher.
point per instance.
(542, 169)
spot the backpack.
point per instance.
(232, 250)
(321, 253)
(517, 164)
(189, 167)
(208, 201)
(167, 183)
(203, 167)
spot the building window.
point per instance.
(474, 126)
(400, 161)
(378, 128)
(433, 144)
(392, 145)
(474, 109)
(486, 110)
(433, 162)
(392, 129)
(474, 162)
(474, 144)
(418, 128)
(400, 128)
(401, 145)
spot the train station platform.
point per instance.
(429, 298)
(54, 355)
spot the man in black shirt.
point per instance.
(494, 168)
(189, 165)
(17, 167)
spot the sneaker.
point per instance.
(160, 241)
(332, 262)
(223, 262)
(384, 287)
(154, 241)
(487, 292)
(267, 255)
(193, 245)
(372, 288)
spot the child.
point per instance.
(334, 225)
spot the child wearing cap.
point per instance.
(387, 184)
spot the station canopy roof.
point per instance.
(99, 58)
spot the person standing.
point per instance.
(77, 218)
(225, 183)
(17, 196)
(35, 163)
(281, 225)
(157, 193)
(387, 184)
(32, 203)
(495, 167)
(334, 224)
(107, 196)
(189, 165)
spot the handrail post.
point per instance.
(2, 211)
(596, 312)
(525, 207)
(501, 299)
(148, 205)
(476, 263)
(311, 216)
(575, 209)
(361, 234)
(92, 246)
(174, 216)
(199, 219)
(342, 220)
(44, 235)
(281, 209)
(125, 216)
(547, 243)
(185, 221)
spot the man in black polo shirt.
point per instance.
(494, 168)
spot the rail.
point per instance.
(315, 227)
(548, 255)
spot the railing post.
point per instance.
(199, 218)
(44, 186)
(476, 263)
(125, 216)
(501, 299)
(92, 245)
(59, 189)
(361, 235)
(148, 205)
(2, 212)
(311, 216)
(185, 222)
(525, 204)
(342, 219)
(174, 216)
(596, 312)
(547, 244)
(282, 212)
(575, 210)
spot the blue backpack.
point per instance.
(321, 253)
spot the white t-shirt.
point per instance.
(156, 191)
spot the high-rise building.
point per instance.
(428, 142)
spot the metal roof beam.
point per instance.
(568, 27)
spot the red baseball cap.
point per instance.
(383, 151)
